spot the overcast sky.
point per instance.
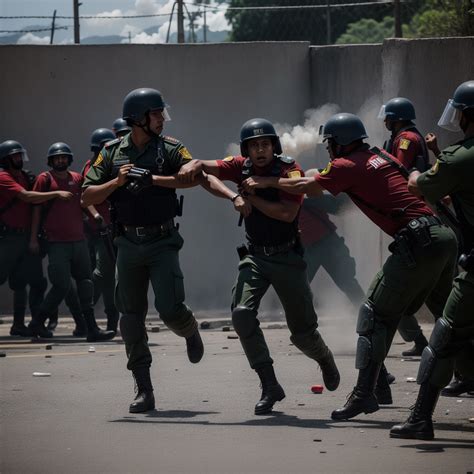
(100, 26)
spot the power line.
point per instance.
(36, 30)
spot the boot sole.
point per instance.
(140, 410)
(422, 436)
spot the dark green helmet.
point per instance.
(344, 129)
(464, 96)
(100, 137)
(398, 108)
(59, 148)
(8, 148)
(139, 102)
(255, 128)
(120, 127)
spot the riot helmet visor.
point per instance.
(450, 118)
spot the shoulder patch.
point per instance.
(404, 144)
(228, 158)
(184, 152)
(326, 170)
(294, 174)
(286, 159)
(434, 168)
(112, 143)
(170, 139)
(98, 160)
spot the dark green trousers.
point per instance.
(141, 260)
(333, 255)
(459, 313)
(66, 260)
(399, 289)
(286, 272)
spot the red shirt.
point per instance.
(314, 225)
(103, 208)
(64, 221)
(230, 169)
(18, 216)
(406, 147)
(369, 179)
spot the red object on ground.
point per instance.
(317, 389)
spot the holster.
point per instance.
(242, 251)
(402, 247)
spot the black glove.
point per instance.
(139, 179)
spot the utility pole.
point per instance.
(52, 28)
(205, 26)
(77, 37)
(180, 21)
(397, 19)
(328, 22)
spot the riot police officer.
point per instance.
(422, 263)
(273, 257)
(97, 225)
(67, 250)
(408, 145)
(149, 243)
(16, 263)
(120, 127)
(450, 344)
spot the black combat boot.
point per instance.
(329, 370)
(81, 327)
(112, 321)
(417, 349)
(19, 307)
(419, 424)
(195, 347)
(144, 400)
(458, 386)
(94, 333)
(53, 322)
(362, 398)
(383, 393)
(272, 391)
(37, 327)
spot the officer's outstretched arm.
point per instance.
(285, 211)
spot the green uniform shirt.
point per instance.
(165, 152)
(452, 174)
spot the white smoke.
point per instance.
(299, 139)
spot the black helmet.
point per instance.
(464, 96)
(100, 137)
(120, 127)
(139, 102)
(255, 128)
(398, 108)
(59, 148)
(8, 148)
(344, 129)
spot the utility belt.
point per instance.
(267, 250)
(157, 230)
(416, 234)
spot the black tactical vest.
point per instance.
(261, 229)
(152, 206)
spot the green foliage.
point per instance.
(367, 30)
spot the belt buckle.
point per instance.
(137, 231)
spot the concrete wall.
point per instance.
(63, 93)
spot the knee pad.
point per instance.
(427, 363)
(366, 319)
(131, 328)
(363, 352)
(441, 335)
(245, 321)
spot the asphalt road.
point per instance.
(76, 420)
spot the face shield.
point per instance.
(320, 138)
(450, 118)
(20, 154)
